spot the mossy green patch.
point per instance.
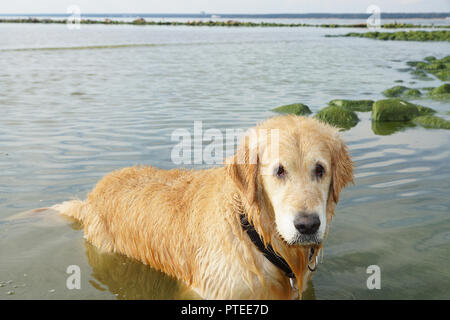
(397, 110)
(231, 23)
(432, 122)
(353, 105)
(139, 21)
(420, 75)
(401, 91)
(338, 116)
(443, 75)
(444, 89)
(440, 93)
(412, 35)
(412, 93)
(435, 66)
(445, 59)
(424, 111)
(395, 91)
(440, 68)
(413, 63)
(296, 108)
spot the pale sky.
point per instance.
(222, 6)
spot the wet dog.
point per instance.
(250, 229)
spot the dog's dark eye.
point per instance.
(319, 171)
(280, 171)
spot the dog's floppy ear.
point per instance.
(342, 167)
(243, 168)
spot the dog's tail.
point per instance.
(74, 208)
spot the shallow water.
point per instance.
(77, 104)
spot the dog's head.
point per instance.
(292, 170)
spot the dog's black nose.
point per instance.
(307, 223)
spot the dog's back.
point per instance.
(121, 182)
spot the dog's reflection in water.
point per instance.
(130, 279)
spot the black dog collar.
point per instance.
(268, 251)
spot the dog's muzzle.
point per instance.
(307, 225)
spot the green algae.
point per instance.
(440, 93)
(212, 23)
(440, 68)
(443, 75)
(413, 63)
(338, 116)
(420, 75)
(416, 35)
(401, 91)
(296, 108)
(353, 105)
(412, 93)
(432, 122)
(398, 110)
(395, 91)
(430, 58)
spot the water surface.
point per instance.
(77, 104)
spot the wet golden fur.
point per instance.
(187, 223)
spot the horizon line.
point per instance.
(218, 13)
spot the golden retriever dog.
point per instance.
(246, 230)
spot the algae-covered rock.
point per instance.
(445, 59)
(395, 91)
(430, 58)
(353, 105)
(444, 89)
(139, 21)
(432, 122)
(402, 91)
(338, 116)
(413, 63)
(420, 75)
(296, 108)
(443, 75)
(397, 110)
(386, 128)
(424, 111)
(412, 35)
(440, 68)
(435, 66)
(440, 93)
(412, 93)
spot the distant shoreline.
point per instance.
(212, 23)
(383, 15)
